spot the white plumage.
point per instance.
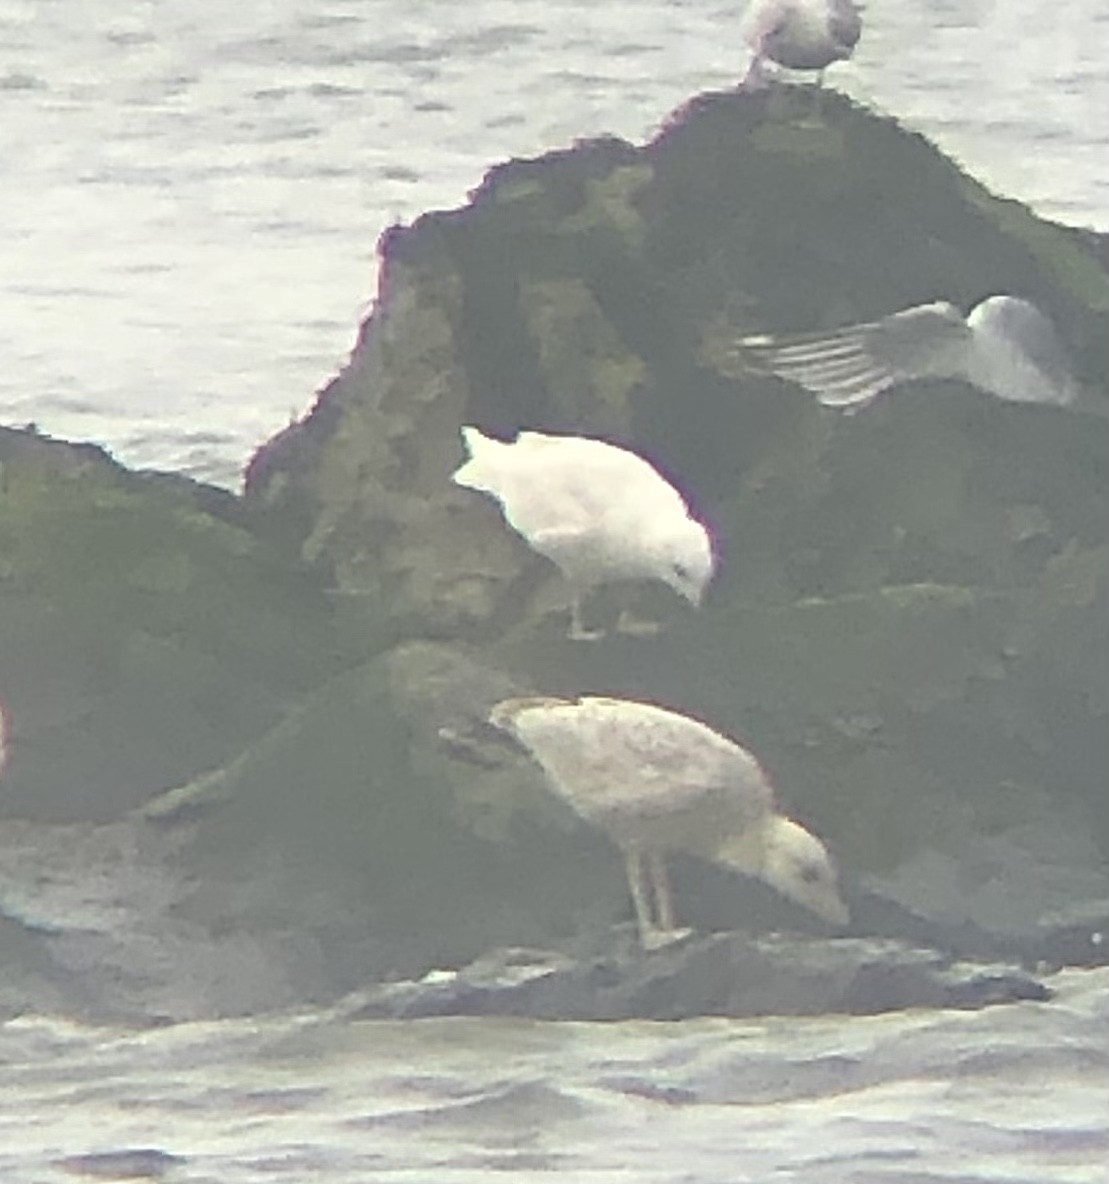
(1005, 346)
(599, 512)
(799, 34)
(656, 782)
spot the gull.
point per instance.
(599, 512)
(1005, 346)
(799, 34)
(656, 782)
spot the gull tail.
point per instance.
(475, 472)
(503, 714)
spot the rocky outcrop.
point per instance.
(909, 626)
(727, 974)
(145, 632)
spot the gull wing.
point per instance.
(850, 367)
(622, 763)
(561, 486)
(681, 760)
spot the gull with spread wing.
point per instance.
(1005, 346)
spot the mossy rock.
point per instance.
(908, 627)
(382, 821)
(146, 633)
(890, 596)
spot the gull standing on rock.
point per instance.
(1005, 346)
(599, 512)
(799, 34)
(657, 782)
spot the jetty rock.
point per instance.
(909, 624)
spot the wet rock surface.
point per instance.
(727, 974)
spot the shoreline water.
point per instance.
(190, 233)
(1008, 1094)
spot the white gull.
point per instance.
(657, 782)
(599, 512)
(1005, 346)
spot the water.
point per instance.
(1014, 1094)
(192, 193)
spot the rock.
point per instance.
(1037, 895)
(728, 974)
(95, 925)
(910, 625)
(911, 620)
(146, 634)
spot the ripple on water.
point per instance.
(1008, 1095)
(247, 167)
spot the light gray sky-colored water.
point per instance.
(190, 200)
(1010, 1095)
(191, 194)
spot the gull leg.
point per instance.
(637, 882)
(664, 898)
(627, 622)
(755, 79)
(578, 631)
(817, 113)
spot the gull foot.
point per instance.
(578, 633)
(659, 939)
(636, 626)
(755, 80)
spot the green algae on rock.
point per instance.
(147, 633)
(909, 625)
(882, 576)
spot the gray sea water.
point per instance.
(190, 199)
(192, 192)
(1012, 1094)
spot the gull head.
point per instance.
(798, 864)
(683, 559)
(786, 856)
(1017, 353)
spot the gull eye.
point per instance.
(681, 571)
(810, 873)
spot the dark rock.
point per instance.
(910, 627)
(913, 614)
(727, 974)
(912, 623)
(145, 633)
(92, 928)
(1035, 895)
